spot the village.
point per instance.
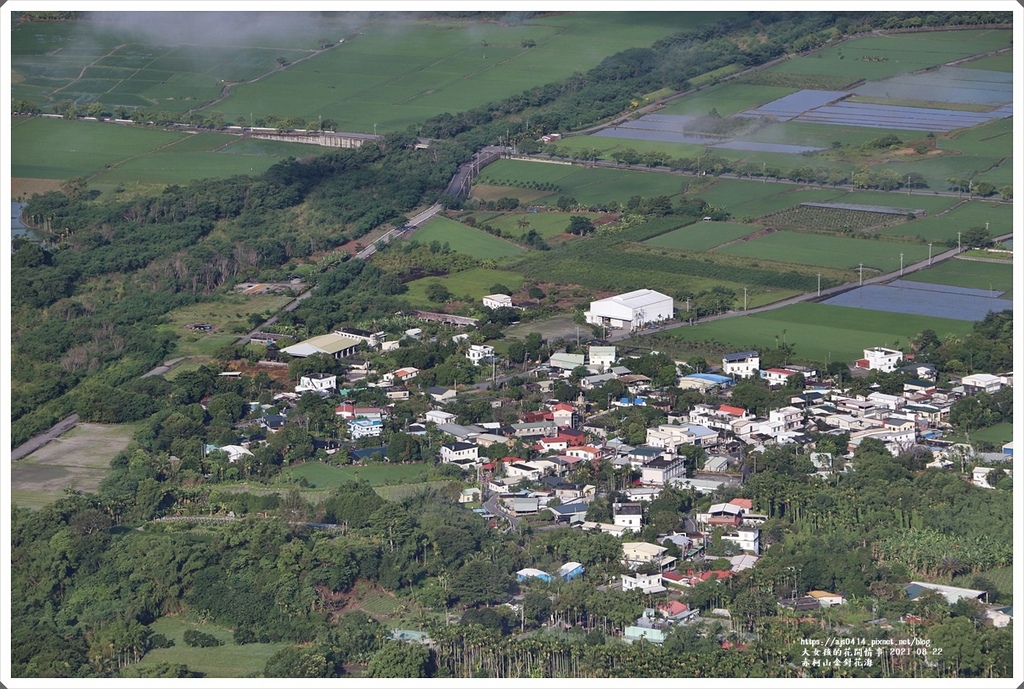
(518, 472)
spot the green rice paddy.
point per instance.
(829, 251)
(818, 332)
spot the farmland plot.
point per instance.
(829, 251)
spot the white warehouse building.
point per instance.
(631, 310)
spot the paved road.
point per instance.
(494, 507)
(30, 446)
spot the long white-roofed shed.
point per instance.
(631, 310)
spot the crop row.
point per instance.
(830, 219)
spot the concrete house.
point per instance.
(880, 359)
(741, 364)
(452, 451)
(662, 471)
(497, 301)
(477, 353)
(317, 382)
(629, 515)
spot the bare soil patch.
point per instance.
(24, 187)
(80, 459)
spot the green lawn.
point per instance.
(701, 236)
(229, 660)
(474, 283)
(547, 225)
(974, 274)
(820, 333)
(999, 434)
(465, 239)
(607, 146)
(1000, 63)
(829, 251)
(324, 476)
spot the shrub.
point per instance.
(197, 639)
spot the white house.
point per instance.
(478, 353)
(979, 476)
(662, 471)
(741, 364)
(648, 583)
(457, 450)
(365, 428)
(670, 436)
(629, 515)
(317, 382)
(439, 417)
(827, 599)
(497, 301)
(602, 357)
(637, 554)
(777, 376)
(982, 382)
(880, 359)
(747, 539)
(631, 310)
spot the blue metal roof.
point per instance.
(710, 377)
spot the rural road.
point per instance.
(30, 446)
(809, 296)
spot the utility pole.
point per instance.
(744, 298)
(901, 263)
(929, 253)
(819, 284)
(861, 273)
(764, 168)
(958, 249)
(908, 185)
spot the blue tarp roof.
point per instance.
(710, 377)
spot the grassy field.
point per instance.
(829, 251)
(229, 316)
(878, 57)
(465, 239)
(324, 476)
(229, 660)
(1001, 577)
(994, 139)
(55, 149)
(586, 185)
(702, 236)
(607, 146)
(999, 63)
(998, 434)
(943, 228)
(973, 274)
(80, 458)
(474, 283)
(819, 333)
(111, 155)
(547, 225)
(403, 72)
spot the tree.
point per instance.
(580, 225)
(298, 662)
(401, 659)
(438, 293)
